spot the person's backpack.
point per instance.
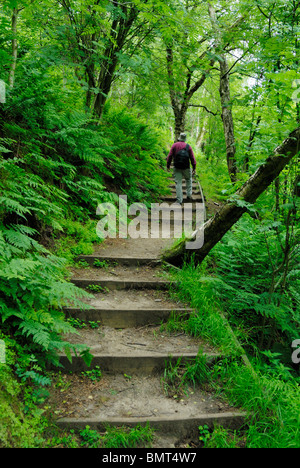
(182, 158)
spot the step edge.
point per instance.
(209, 418)
(143, 355)
(97, 309)
(138, 282)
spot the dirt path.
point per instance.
(131, 348)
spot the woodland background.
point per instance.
(95, 94)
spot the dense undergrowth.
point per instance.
(234, 286)
(250, 281)
(56, 165)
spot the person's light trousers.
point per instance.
(179, 174)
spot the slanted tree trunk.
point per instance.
(231, 212)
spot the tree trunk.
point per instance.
(14, 21)
(120, 30)
(231, 212)
(180, 116)
(201, 136)
(180, 100)
(227, 119)
(252, 136)
(225, 97)
(104, 86)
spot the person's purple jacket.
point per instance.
(178, 147)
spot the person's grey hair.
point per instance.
(182, 137)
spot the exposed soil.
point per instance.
(141, 396)
(133, 299)
(120, 272)
(147, 340)
(138, 248)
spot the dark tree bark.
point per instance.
(120, 31)
(227, 118)
(181, 96)
(231, 212)
(14, 47)
(224, 91)
(100, 69)
(180, 100)
(252, 136)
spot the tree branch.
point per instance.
(204, 107)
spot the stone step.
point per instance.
(140, 248)
(175, 425)
(195, 193)
(119, 260)
(130, 300)
(125, 318)
(121, 277)
(129, 308)
(168, 208)
(171, 179)
(174, 217)
(129, 400)
(131, 391)
(134, 364)
(195, 185)
(137, 350)
(172, 198)
(112, 284)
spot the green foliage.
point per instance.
(179, 375)
(139, 436)
(204, 434)
(77, 238)
(15, 428)
(57, 175)
(34, 292)
(113, 437)
(63, 440)
(57, 163)
(90, 438)
(251, 273)
(222, 438)
(94, 374)
(21, 422)
(138, 158)
(196, 288)
(272, 405)
(269, 395)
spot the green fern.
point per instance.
(34, 290)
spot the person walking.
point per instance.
(182, 155)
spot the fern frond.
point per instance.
(37, 332)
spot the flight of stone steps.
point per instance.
(131, 300)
